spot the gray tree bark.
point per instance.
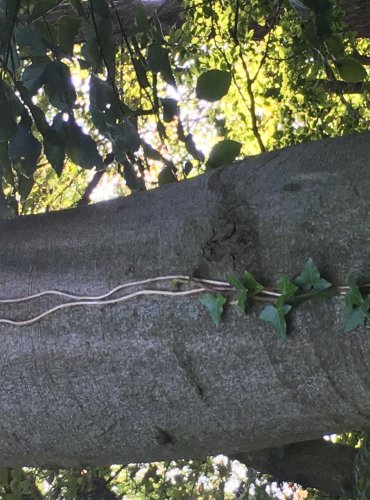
(153, 378)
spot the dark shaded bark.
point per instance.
(340, 87)
(153, 378)
(357, 16)
(317, 464)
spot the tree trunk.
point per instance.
(152, 378)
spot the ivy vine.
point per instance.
(291, 293)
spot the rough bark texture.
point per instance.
(317, 464)
(153, 378)
(357, 15)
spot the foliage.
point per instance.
(151, 106)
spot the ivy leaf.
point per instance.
(287, 287)
(251, 283)
(242, 299)
(310, 278)
(215, 305)
(276, 317)
(356, 307)
(350, 70)
(223, 153)
(213, 84)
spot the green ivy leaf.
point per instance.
(310, 278)
(223, 153)
(251, 283)
(276, 317)
(356, 309)
(350, 70)
(213, 84)
(215, 305)
(287, 287)
(242, 299)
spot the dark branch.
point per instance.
(318, 464)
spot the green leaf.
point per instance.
(158, 62)
(213, 84)
(356, 307)
(58, 86)
(54, 149)
(124, 137)
(251, 283)
(33, 76)
(41, 7)
(99, 48)
(11, 108)
(215, 305)
(105, 106)
(236, 283)
(140, 71)
(68, 28)
(353, 318)
(192, 149)
(287, 287)
(223, 153)
(335, 45)
(28, 37)
(154, 57)
(310, 278)
(242, 299)
(151, 153)
(24, 149)
(350, 70)
(276, 317)
(25, 185)
(80, 147)
(166, 175)
(170, 109)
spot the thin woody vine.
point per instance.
(215, 295)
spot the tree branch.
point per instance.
(319, 464)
